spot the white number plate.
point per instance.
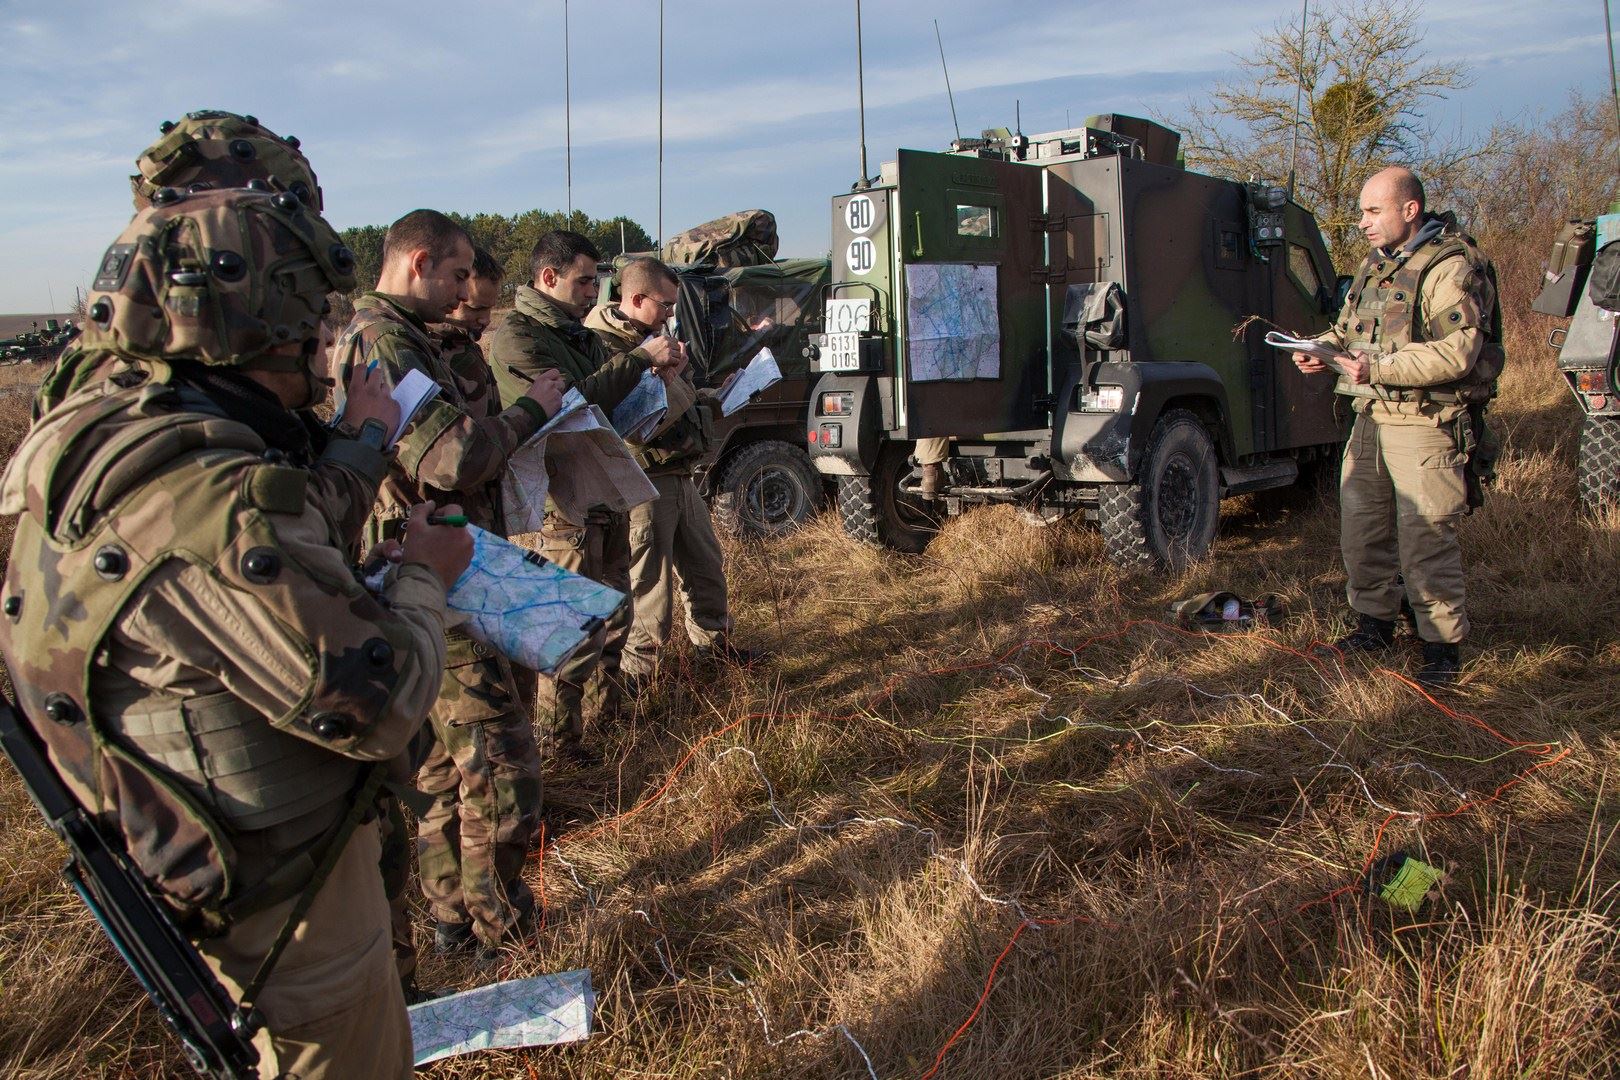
(846, 321)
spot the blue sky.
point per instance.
(460, 106)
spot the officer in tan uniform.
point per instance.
(544, 336)
(483, 771)
(185, 631)
(673, 534)
(1423, 329)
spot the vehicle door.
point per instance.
(971, 296)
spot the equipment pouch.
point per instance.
(1479, 444)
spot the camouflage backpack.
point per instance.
(223, 150)
(746, 238)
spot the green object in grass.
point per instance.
(1410, 885)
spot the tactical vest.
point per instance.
(1386, 314)
(184, 779)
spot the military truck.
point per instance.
(736, 298)
(1066, 308)
(36, 343)
(1583, 281)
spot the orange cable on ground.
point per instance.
(887, 690)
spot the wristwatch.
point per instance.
(372, 433)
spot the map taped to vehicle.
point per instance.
(953, 321)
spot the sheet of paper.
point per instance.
(410, 394)
(578, 464)
(573, 403)
(541, 1011)
(642, 410)
(530, 610)
(1331, 355)
(953, 322)
(761, 373)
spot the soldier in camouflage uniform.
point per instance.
(181, 609)
(544, 334)
(482, 771)
(206, 149)
(673, 533)
(1422, 323)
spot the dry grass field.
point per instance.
(986, 815)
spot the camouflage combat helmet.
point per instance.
(219, 277)
(223, 150)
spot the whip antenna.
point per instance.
(568, 116)
(660, 124)
(1614, 89)
(860, 90)
(1299, 92)
(949, 96)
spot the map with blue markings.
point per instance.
(531, 611)
(953, 324)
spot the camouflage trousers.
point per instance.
(600, 550)
(1401, 492)
(483, 774)
(672, 539)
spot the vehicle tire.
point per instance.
(1168, 517)
(873, 510)
(1597, 469)
(764, 489)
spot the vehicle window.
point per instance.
(976, 221)
(1303, 270)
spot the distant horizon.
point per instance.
(755, 126)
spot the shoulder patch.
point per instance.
(276, 489)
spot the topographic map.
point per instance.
(953, 327)
(541, 1011)
(643, 408)
(532, 611)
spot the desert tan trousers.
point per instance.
(674, 536)
(932, 451)
(333, 1008)
(1401, 493)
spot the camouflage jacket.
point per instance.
(537, 334)
(688, 432)
(185, 632)
(343, 480)
(1428, 314)
(465, 360)
(454, 451)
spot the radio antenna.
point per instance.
(660, 124)
(1614, 89)
(949, 96)
(1299, 92)
(568, 116)
(860, 90)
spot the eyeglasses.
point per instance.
(668, 305)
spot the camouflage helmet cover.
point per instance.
(223, 150)
(220, 277)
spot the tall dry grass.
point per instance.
(996, 758)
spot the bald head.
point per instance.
(1391, 207)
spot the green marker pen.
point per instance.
(458, 520)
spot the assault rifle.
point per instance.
(215, 1033)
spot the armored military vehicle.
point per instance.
(1583, 281)
(36, 343)
(1065, 308)
(736, 298)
